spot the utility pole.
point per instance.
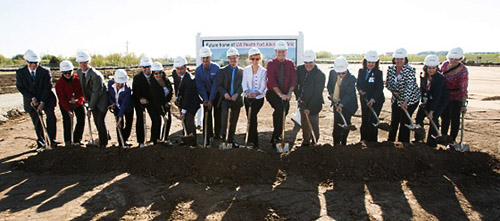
(126, 45)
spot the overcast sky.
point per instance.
(169, 28)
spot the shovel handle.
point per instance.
(310, 127)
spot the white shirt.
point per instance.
(253, 83)
(117, 94)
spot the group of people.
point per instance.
(222, 92)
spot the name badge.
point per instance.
(371, 79)
(212, 74)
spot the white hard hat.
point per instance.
(280, 45)
(120, 76)
(455, 53)
(400, 53)
(340, 64)
(253, 51)
(205, 52)
(146, 61)
(82, 56)
(371, 56)
(232, 51)
(31, 56)
(66, 66)
(309, 56)
(157, 66)
(431, 60)
(179, 61)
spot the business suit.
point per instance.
(347, 95)
(124, 106)
(158, 91)
(309, 93)
(141, 88)
(41, 89)
(224, 79)
(434, 98)
(187, 99)
(372, 84)
(96, 95)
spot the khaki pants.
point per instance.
(306, 130)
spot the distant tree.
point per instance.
(18, 60)
(324, 55)
(5, 61)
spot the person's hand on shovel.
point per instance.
(118, 122)
(430, 115)
(404, 105)
(89, 112)
(143, 101)
(227, 96)
(306, 112)
(40, 107)
(71, 114)
(370, 103)
(234, 97)
(339, 108)
(207, 104)
(72, 101)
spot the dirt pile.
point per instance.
(383, 161)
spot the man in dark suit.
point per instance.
(141, 87)
(342, 90)
(95, 93)
(309, 94)
(35, 84)
(229, 87)
(187, 98)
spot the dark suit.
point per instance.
(309, 91)
(436, 99)
(158, 91)
(347, 94)
(41, 89)
(373, 85)
(141, 87)
(187, 98)
(224, 78)
(96, 95)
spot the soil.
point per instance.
(361, 181)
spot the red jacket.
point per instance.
(65, 90)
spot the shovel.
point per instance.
(205, 116)
(119, 129)
(418, 130)
(248, 125)
(145, 125)
(189, 140)
(72, 121)
(46, 138)
(439, 138)
(225, 145)
(345, 126)
(310, 127)
(91, 142)
(381, 125)
(460, 146)
(163, 135)
(283, 147)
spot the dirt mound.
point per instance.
(382, 161)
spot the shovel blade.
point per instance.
(282, 148)
(383, 126)
(189, 140)
(226, 146)
(351, 127)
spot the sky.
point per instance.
(168, 28)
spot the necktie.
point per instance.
(232, 81)
(33, 76)
(367, 74)
(281, 75)
(84, 81)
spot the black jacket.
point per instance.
(41, 89)
(186, 92)
(141, 88)
(158, 94)
(438, 93)
(347, 90)
(310, 89)
(373, 85)
(224, 84)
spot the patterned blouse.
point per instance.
(405, 84)
(457, 81)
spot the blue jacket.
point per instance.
(347, 91)
(124, 99)
(206, 81)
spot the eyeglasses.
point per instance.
(254, 59)
(67, 72)
(342, 73)
(33, 62)
(147, 66)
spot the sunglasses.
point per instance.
(147, 66)
(67, 72)
(254, 59)
(33, 62)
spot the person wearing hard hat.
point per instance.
(229, 87)
(35, 84)
(370, 85)
(206, 83)
(434, 97)
(144, 100)
(121, 104)
(309, 94)
(186, 94)
(162, 86)
(457, 81)
(95, 93)
(70, 95)
(342, 91)
(281, 81)
(402, 83)
(254, 89)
